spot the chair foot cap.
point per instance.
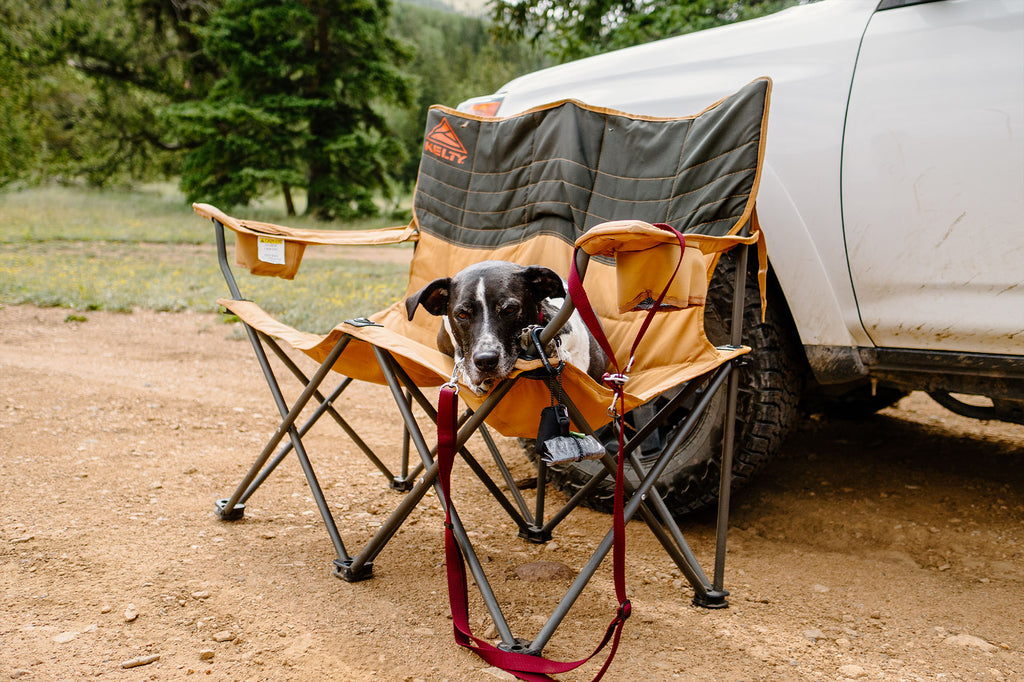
(535, 534)
(519, 646)
(402, 485)
(225, 514)
(714, 599)
(343, 570)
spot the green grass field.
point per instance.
(120, 250)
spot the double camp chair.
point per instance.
(529, 188)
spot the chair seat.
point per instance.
(519, 414)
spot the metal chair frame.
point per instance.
(534, 525)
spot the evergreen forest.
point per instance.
(318, 100)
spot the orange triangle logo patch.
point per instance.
(442, 142)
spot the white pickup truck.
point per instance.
(892, 200)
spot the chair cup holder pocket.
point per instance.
(268, 256)
(641, 277)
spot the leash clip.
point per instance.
(615, 379)
(453, 382)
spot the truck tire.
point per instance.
(770, 384)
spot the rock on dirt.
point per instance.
(541, 571)
(139, 661)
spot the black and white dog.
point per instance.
(485, 309)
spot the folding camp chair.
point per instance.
(531, 188)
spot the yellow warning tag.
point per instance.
(271, 250)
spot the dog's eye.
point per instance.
(509, 310)
(462, 314)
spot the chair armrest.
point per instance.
(625, 237)
(385, 235)
(275, 250)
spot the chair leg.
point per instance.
(725, 482)
(391, 374)
(706, 593)
(652, 507)
(318, 496)
(729, 436)
(229, 507)
(402, 482)
(360, 567)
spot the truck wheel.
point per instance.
(769, 390)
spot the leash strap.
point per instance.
(525, 666)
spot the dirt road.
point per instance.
(887, 548)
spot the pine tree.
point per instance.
(105, 69)
(297, 105)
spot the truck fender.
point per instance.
(822, 308)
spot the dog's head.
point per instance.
(485, 307)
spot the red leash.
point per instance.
(523, 666)
(526, 666)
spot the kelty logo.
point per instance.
(442, 142)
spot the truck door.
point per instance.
(933, 176)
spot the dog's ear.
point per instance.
(433, 297)
(544, 282)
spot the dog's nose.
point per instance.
(485, 360)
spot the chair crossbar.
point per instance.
(647, 495)
(673, 541)
(506, 475)
(631, 444)
(643, 498)
(327, 405)
(392, 375)
(288, 415)
(287, 447)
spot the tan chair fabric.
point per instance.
(527, 189)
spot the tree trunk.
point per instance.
(319, 167)
(289, 204)
(317, 176)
